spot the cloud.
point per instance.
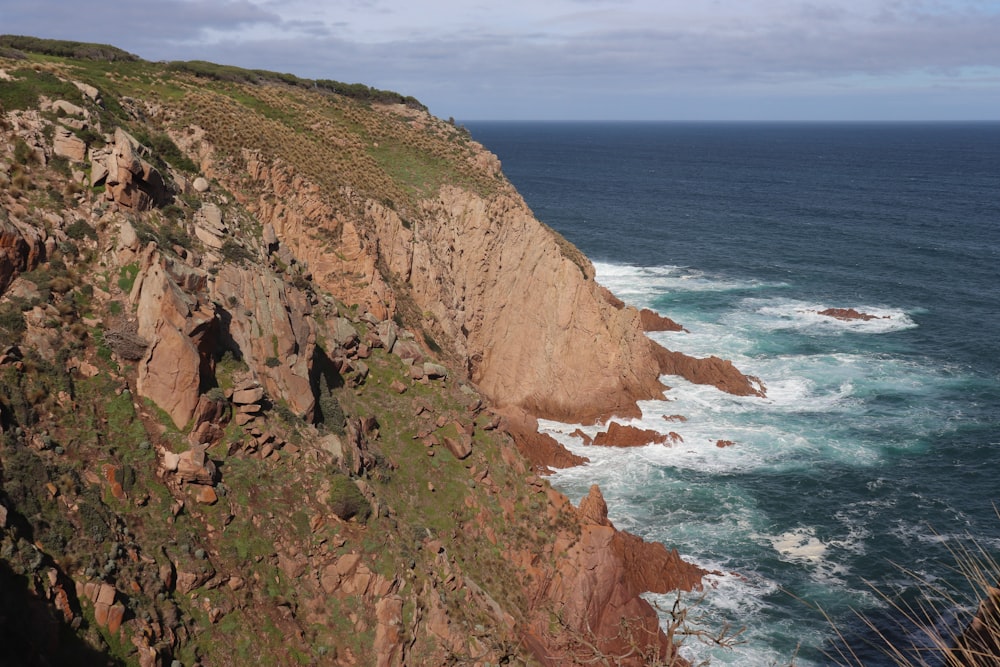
(473, 57)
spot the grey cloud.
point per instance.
(145, 28)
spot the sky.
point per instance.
(583, 59)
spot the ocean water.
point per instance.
(877, 448)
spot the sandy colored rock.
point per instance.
(653, 321)
(68, 145)
(132, 182)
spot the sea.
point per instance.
(874, 459)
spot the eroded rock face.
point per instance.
(534, 328)
(131, 181)
(21, 248)
(182, 330)
(270, 322)
(345, 262)
(598, 585)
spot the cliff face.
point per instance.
(281, 352)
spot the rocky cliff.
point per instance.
(271, 357)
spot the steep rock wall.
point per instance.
(526, 315)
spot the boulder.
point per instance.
(183, 332)
(408, 349)
(132, 182)
(89, 91)
(194, 466)
(248, 395)
(344, 334)
(460, 446)
(433, 370)
(68, 145)
(69, 108)
(387, 333)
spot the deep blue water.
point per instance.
(877, 447)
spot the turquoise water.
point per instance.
(877, 445)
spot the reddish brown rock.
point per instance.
(593, 508)
(116, 614)
(848, 314)
(131, 181)
(620, 435)
(101, 611)
(271, 323)
(597, 588)
(183, 332)
(460, 446)
(388, 631)
(724, 443)
(979, 643)
(653, 321)
(541, 449)
(714, 371)
(587, 440)
(21, 249)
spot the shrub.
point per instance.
(12, 322)
(80, 230)
(125, 341)
(23, 153)
(347, 501)
(234, 253)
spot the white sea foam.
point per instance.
(777, 314)
(831, 401)
(639, 285)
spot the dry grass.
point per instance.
(953, 622)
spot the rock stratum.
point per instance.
(271, 356)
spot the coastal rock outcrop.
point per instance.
(598, 584)
(653, 321)
(131, 181)
(720, 373)
(520, 306)
(848, 314)
(622, 435)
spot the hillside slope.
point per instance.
(264, 343)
